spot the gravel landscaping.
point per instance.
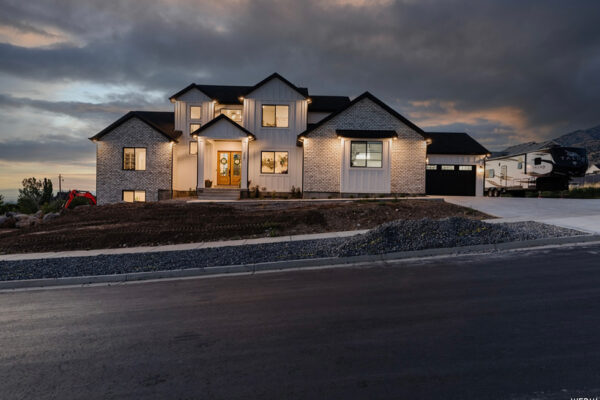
(400, 235)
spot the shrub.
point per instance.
(27, 205)
(53, 206)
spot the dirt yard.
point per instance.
(145, 224)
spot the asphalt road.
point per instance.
(520, 326)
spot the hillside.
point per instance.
(588, 138)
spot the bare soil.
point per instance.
(146, 224)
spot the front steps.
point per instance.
(219, 193)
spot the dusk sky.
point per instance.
(503, 71)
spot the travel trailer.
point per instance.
(533, 166)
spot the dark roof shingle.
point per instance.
(162, 121)
(453, 143)
(327, 103)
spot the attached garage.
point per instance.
(454, 165)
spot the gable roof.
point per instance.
(365, 95)
(220, 118)
(162, 121)
(327, 103)
(302, 91)
(231, 94)
(454, 143)
(525, 148)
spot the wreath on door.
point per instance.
(223, 160)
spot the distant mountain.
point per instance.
(588, 138)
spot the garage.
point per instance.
(451, 180)
(454, 164)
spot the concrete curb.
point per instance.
(295, 264)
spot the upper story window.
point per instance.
(366, 154)
(134, 158)
(195, 112)
(194, 127)
(233, 114)
(275, 115)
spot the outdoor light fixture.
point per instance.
(241, 98)
(309, 100)
(428, 141)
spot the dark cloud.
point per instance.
(49, 148)
(541, 58)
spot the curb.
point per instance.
(294, 264)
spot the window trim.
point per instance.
(429, 167)
(133, 190)
(194, 123)
(262, 119)
(134, 159)
(287, 173)
(366, 142)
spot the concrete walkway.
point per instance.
(178, 247)
(581, 214)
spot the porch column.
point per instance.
(201, 147)
(244, 183)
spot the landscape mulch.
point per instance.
(146, 224)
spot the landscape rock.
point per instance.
(393, 236)
(50, 216)
(38, 214)
(25, 222)
(10, 214)
(8, 222)
(3, 218)
(19, 217)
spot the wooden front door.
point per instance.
(229, 168)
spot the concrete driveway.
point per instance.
(582, 214)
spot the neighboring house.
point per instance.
(272, 135)
(593, 169)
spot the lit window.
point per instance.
(234, 115)
(447, 167)
(432, 167)
(195, 112)
(134, 158)
(520, 165)
(366, 154)
(131, 196)
(489, 173)
(194, 128)
(193, 147)
(465, 168)
(274, 162)
(276, 116)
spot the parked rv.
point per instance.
(533, 167)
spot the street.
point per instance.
(515, 325)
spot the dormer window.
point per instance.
(275, 116)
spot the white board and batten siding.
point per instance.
(275, 139)
(366, 180)
(184, 163)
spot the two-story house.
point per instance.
(273, 135)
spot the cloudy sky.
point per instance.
(504, 71)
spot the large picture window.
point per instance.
(366, 154)
(134, 196)
(134, 158)
(274, 162)
(275, 116)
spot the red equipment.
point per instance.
(77, 193)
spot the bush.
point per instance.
(53, 206)
(27, 205)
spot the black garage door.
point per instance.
(451, 180)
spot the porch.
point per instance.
(222, 157)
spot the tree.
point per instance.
(46, 191)
(30, 196)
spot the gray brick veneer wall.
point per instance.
(111, 179)
(322, 150)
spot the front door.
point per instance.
(229, 168)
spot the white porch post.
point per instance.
(201, 148)
(244, 183)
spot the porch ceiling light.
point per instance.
(428, 141)
(241, 98)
